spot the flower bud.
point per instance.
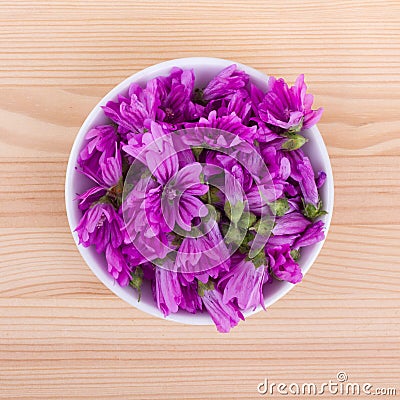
(294, 142)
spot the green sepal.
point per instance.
(102, 200)
(198, 97)
(312, 212)
(247, 220)
(202, 287)
(196, 152)
(137, 281)
(296, 128)
(234, 235)
(212, 196)
(295, 254)
(244, 247)
(279, 207)
(115, 193)
(234, 213)
(177, 240)
(264, 226)
(259, 259)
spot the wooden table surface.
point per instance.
(63, 334)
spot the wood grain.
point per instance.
(64, 335)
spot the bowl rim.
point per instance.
(160, 68)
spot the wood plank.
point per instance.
(100, 345)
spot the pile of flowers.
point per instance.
(203, 192)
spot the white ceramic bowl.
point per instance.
(204, 69)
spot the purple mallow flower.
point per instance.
(307, 183)
(226, 123)
(92, 195)
(320, 180)
(179, 201)
(282, 264)
(99, 140)
(239, 104)
(99, 226)
(117, 265)
(173, 198)
(313, 234)
(288, 108)
(167, 290)
(131, 113)
(190, 300)
(144, 232)
(111, 168)
(205, 193)
(290, 224)
(176, 100)
(100, 143)
(203, 257)
(224, 315)
(225, 83)
(231, 166)
(244, 283)
(164, 99)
